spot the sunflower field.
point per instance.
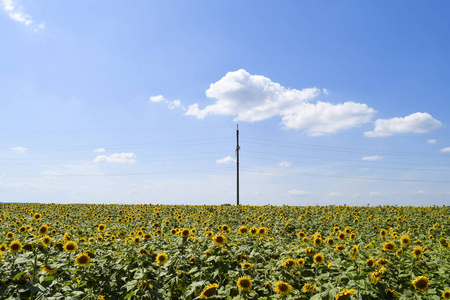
(87, 251)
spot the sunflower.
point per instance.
(318, 241)
(288, 263)
(161, 258)
(15, 246)
(310, 251)
(208, 254)
(300, 262)
(340, 247)
(383, 233)
(101, 228)
(329, 242)
(301, 234)
(9, 235)
(22, 229)
(247, 265)
(70, 247)
(370, 262)
(376, 276)
(417, 252)
(43, 230)
(390, 292)
(405, 240)
(319, 259)
(243, 229)
(46, 240)
(245, 283)
(3, 247)
(219, 240)
(446, 294)
(254, 231)
(37, 216)
(209, 291)
(82, 259)
(342, 236)
(49, 270)
(352, 236)
(389, 247)
(282, 288)
(421, 283)
(185, 232)
(345, 294)
(383, 262)
(27, 247)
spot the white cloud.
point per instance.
(372, 158)
(19, 149)
(15, 12)
(431, 141)
(322, 117)
(417, 123)
(100, 150)
(335, 194)
(158, 98)
(285, 164)
(325, 91)
(174, 104)
(446, 149)
(118, 158)
(295, 192)
(49, 174)
(253, 98)
(226, 160)
(170, 104)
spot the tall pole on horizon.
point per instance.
(237, 164)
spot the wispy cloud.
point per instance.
(16, 13)
(226, 160)
(100, 150)
(19, 149)
(295, 192)
(431, 141)
(117, 158)
(285, 164)
(171, 104)
(446, 149)
(372, 158)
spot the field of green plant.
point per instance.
(50, 251)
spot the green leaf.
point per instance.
(130, 294)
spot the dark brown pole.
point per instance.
(237, 164)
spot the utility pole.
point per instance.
(237, 164)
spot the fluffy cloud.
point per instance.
(253, 98)
(372, 158)
(225, 160)
(16, 13)
(170, 104)
(19, 149)
(417, 123)
(118, 158)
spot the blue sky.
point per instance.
(337, 102)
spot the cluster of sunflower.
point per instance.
(221, 252)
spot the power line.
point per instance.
(258, 170)
(204, 170)
(339, 149)
(345, 160)
(353, 166)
